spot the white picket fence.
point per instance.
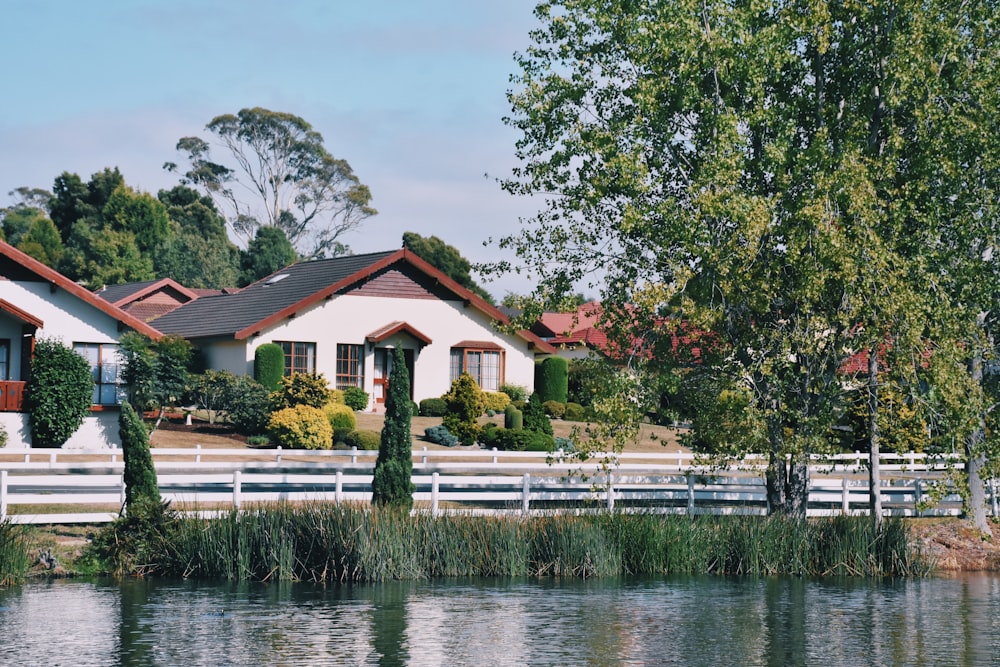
(475, 481)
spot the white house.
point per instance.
(39, 302)
(342, 316)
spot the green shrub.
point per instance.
(515, 392)
(58, 394)
(392, 483)
(440, 435)
(433, 407)
(269, 365)
(212, 392)
(356, 398)
(518, 441)
(465, 406)
(534, 416)
(513, 418)
(300, 427)
(552, 379)
(575, 413)
(495, 400)
(258, 441)
(249, 406)
(488, 437)
(302, 389)
(554, 409)
(140, 474)
(340, 417)
(363, 439)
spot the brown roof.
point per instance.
(393, 328)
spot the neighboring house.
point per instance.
(153, 298)
(39, 302)
(341, 317)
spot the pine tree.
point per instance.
(391, 484)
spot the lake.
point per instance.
(645, 621)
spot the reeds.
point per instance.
(14, 558)
(324, 542)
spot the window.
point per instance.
(4, 358)
(299, 357)
(105, 368)
(350, 366)
(485, 366)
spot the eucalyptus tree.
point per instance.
(278, 173)
(745, 169)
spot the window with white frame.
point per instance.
(105, 369)
(484, 365)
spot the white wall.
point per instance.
(349, 319)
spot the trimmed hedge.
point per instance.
(576, 413)
(58, 393)
(513, 418)
(552, 379)
(269, 365)
(554, 409)
(340, 417)
(364, 439)
(433, 407)
(356, 398)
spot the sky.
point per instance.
(410, 92)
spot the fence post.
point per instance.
(918, 495)
(338, 492)
(197, 453)
(278, 454)
(494, 450)
(3, 495)
(993, 494)
(434, 495)
(121, 496)
(423, 459)
(845, 496)
(354, 455)
(690, 479)
(525, 493)
(237, 489)
(611, 493)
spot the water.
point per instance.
(650, 621)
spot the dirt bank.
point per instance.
(956, 547)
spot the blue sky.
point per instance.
(411, 94)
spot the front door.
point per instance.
(383, 366)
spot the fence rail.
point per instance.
(474, 481)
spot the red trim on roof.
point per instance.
(78, 291)
(478, 345)
(392, 329)
(22, 315)
(158, 285)
(403, 255)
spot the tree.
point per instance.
(58, 394)
(42, 242)
(201, 254)
(268, 252)
(756, 171)
(391, 484)
(17, 220)
(156, 371)
(445, 258)
(294, 183)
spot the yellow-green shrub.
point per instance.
(337, 396)
(300, 427)
(340, 417)
(496, 401)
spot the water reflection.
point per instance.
(671, 621)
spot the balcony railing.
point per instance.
(11, 396)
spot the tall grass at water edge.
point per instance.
(14, 558)
(324, 542)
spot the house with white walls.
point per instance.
(343, 316)
(39, 302)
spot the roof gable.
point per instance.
(17, 266)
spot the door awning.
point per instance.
(393, 328)
(20, 315)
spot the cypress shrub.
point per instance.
(269, 365)
(465, 406)
(391, 483)
(58, 394)
(552, 379)
(513, 418)
(534, 416)
(140, 474)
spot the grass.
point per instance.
(354, 543)
(14, 552)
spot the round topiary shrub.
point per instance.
(356, 398)
(363, 439)
(300, 427)
(575, 413)
(495, 400)
(269, 365)
(341, 417)
(513, 418)
(433, 407)
(554, 409)
(58, 394)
